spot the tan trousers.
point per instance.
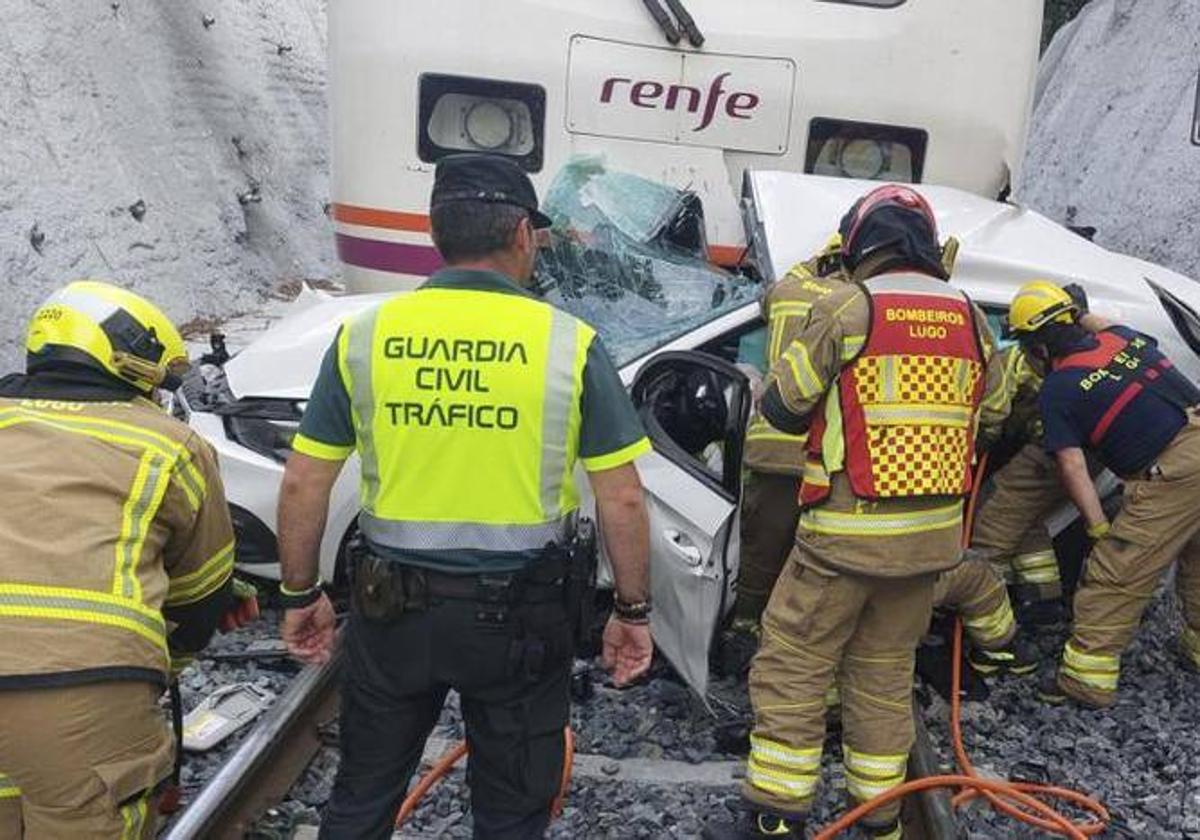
(819, 622)
(87, 760)
(770, 511)
(10, 809)
(1009, 528)
(977, 592)
(1158, 523)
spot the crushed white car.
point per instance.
(250, 410)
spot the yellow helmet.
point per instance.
(102, 326)
(1038, 303)
(833, 245)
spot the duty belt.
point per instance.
(414, 588)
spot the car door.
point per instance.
(694, 407)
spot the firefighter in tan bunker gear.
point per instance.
(1010, 529)
(1109, 389)
(137, 575)
(976, 588)
(887, 378)
(775, 459)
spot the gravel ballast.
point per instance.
(1140, 757)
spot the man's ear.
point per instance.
(524, 238)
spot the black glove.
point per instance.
(1078, 295)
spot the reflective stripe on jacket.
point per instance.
(109, 513)
(453, 382)
(902, 422)
(785, 308)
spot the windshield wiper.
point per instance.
(686, 23)
(663, 20)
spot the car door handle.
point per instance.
(683, 546)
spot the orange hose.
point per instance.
(435, 774)
(1000, 794)
(556, 807)
(453, 755)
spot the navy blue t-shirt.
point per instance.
(1108, 406)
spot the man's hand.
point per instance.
(1078, 296)
(627, 650)
(243, 610)
(308, 632)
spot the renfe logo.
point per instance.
(650, 94)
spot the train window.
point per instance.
(871, 151)
(465, 114)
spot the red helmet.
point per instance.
(916, 215)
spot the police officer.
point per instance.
(887, 378)
(116, 556)
(469, 402)
(1110, 390)
(774, 459)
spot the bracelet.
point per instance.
(637, 612)
(290, 600)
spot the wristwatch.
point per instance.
(636, 612)
(290, 600)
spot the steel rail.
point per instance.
(930, 815)
(268, 762)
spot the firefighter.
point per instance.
(977, 588)
(10, 808)
(887, 379)
(774, 459)
(1110, 390)
(469, 402)
(132, 578)
(1009, 528)
(977, 592)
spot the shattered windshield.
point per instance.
(628, 256)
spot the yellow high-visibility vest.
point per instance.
(466, 407)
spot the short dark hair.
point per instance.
(468, 230)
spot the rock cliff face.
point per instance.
(177, 147)
(1112, 140)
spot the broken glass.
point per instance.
(628, 255)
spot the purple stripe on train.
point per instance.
(396, 257)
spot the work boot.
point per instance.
(1017, 657)
(1051, 613)
(1049, 691)
(891, 831)
(1052, 691)
(753, 824)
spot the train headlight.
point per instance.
(491, 126)
(871, 151)
(466, 114)
(866, 159)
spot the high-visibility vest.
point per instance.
(768, 449)
(467, 412)
(902, 420)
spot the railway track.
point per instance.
(268, 762)
(275, 754)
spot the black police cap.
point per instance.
(482, 177)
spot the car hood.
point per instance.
(283, 361)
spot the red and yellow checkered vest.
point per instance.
(908, 402)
